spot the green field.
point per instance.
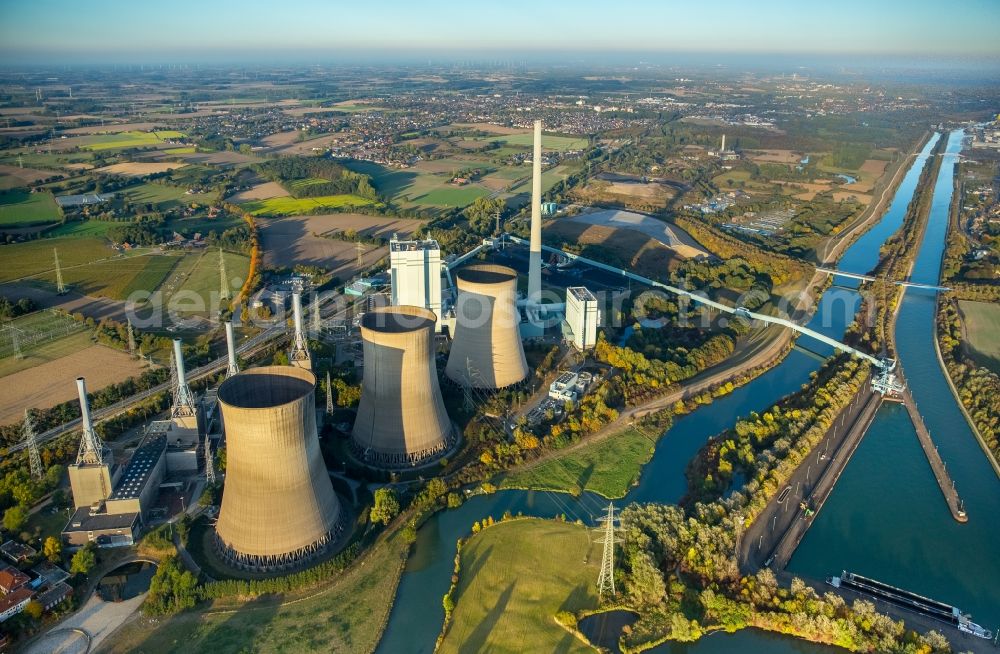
(345, 616)
(23, 208)
(81, 229)
(450, 196)
(183, 150)
(549, 142)
(128, 140)
(203, 277)
(298, 185)
(42, 337)
(154, 271)
(164, 196)
(35, 257)
(609, 467)
(289, 206)
(515, 577)
(982, 327)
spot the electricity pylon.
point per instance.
(329, 395)
(31, 443)
(209, 463)
(131, 338)
(606, 580)
(60, 286)
(224, 294)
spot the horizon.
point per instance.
(308, 31)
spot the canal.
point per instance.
(886, 518)
(416, 618)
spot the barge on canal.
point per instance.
(911, 601)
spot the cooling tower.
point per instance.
(278, 506)
(401, 419)
(486, 351)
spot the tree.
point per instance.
(34, 610)
(52, 549)
(84, 560)
(482, 214)
(172, 589)
(15, 518)
(386, 506)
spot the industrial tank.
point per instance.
(278, 506)
(486, 351)
(401, 420)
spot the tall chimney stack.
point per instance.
(91, 448)
(535, 251)
(723, 143)
(231, 346)
(183, 397)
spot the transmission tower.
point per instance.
(60, 286)
(15, 342)
(317, 319)
(329, 395)
(606, 580)
(360, 247)
(131, 338)
(32, 445)
(209, 463)
(222, 277)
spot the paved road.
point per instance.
(772, 538)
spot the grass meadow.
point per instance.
(289, 206)
(18, 207)
(515, 576)
(982, 328)
(124, 140)
(609, 467)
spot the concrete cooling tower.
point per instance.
(278, 506)
(486, 351)
(401, 418)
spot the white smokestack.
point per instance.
(81, 387)
(231, 345)
(723, 143)
(297, 314)
(535, 251)
(179, 360)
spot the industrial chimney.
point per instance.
(90, 476)
(91, 448)
(535, 249)
(486, 351)
(299, 356)
(231, 347)
(184, 404)
(401, 420)
(278, 507)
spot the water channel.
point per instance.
(417, 615)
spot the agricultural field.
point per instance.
(981, 324)
(153, 273)
(165, 196)
(139, 169)
(346, 615)
(608, 468)
(298, 240)
(35, 258)
(52, 382)
(515, 576)
(202, 279)
(15, 176)
(263, 191)
(22, 208)
(123, 140)
(289, 206)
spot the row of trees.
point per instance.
(336, 179)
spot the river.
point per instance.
(416, 618)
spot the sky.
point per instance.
(68, 31)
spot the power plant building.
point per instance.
(401, 419)
(486, 351)
(415, 268)
(278, 508)
(582, 317)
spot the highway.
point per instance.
(700, 299)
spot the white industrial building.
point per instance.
(416, 274)
(582, 317)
